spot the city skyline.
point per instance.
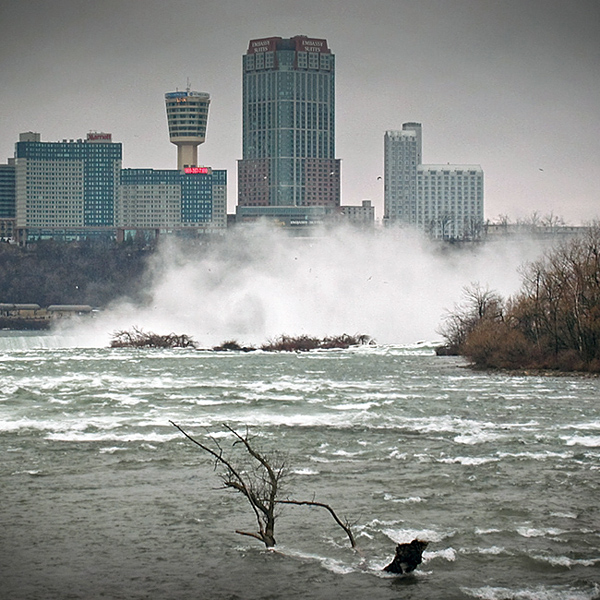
(512, 87)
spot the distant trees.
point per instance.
(553, 322)
(304, 343)
(52, 272)
(138, 338)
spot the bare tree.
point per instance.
(259, 482)
(479, 304)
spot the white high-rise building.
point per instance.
(402, 156)
(445, 201)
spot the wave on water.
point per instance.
(564, 561)
(112, 437)
(592, 441)
(405, 536)
(533, 593)
(530, 532)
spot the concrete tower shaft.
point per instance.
(187, 116)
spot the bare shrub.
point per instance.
(138, 338)
(305, 343)
(258, 476)
(233, 346)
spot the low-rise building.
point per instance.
(363, 214)
(192, 201)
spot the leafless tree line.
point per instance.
(553, 322)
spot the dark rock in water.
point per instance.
(408, 556)
(447, 350)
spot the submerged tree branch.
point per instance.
(344, 526)
(260, 485)
(259, 489)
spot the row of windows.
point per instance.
(197, 122)
(451, 173)
(190, 107)
(53, 150)
(285, 59)
(275, 86)
(193, 130)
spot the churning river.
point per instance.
(100, 497)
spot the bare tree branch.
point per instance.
(260, 485)
(345, 526)
(259, 489)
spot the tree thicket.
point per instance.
(553, 322)
(138, 338)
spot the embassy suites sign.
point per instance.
(309, 45)
(302, 44)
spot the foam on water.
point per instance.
(469, 460)
(111, 437)
(404, 536)
(591, 441)
(533, 593)
(564, 561)
(529, 532)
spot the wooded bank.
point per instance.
(553, 322)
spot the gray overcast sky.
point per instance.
(512, 85)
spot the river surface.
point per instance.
(100, 497)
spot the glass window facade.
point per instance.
(73, 182)
(288, 118)
(7, 192)
(151, 198)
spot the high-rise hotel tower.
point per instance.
(443, 200)
(288, 125)
(66, 188)
(187, 115)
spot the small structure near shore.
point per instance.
(33, 316)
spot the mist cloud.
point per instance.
(258, 283)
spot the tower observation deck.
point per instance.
(187, 116)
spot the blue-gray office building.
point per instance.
(171, 201)
(288, 127)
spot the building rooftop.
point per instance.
(452, 168)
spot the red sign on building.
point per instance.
(197, 170)
(99, 137)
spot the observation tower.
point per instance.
(187, 116)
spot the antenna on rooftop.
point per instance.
(189, 85)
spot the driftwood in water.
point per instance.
(408, 556)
